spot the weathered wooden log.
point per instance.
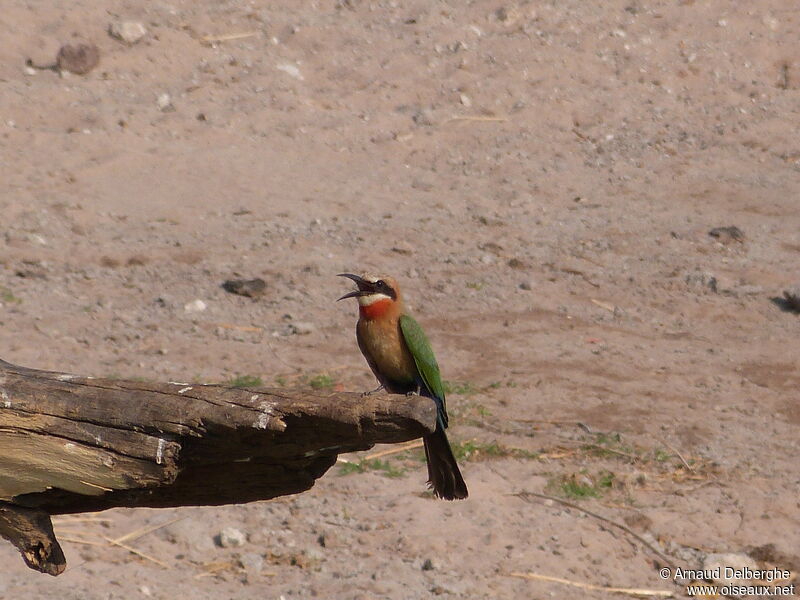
(74, 444)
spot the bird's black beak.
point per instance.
(364, 286)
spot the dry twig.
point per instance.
(591, 586)
(601, 304)
(478, 118)
(58, 521)
(212, 569)
(248, 328)
(390, 451)
(677, 453)
(631, 457)
(72, 532)
(600, 448)
(557, 454)
(79, 541)
(137, 533)
(226, 37)
(583, 426)
(133, 550)
(581, 274)
(526, 495)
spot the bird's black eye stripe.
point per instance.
(384, 288)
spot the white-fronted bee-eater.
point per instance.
(400, 356)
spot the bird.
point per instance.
(402, 360)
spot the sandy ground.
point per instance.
(542, 179)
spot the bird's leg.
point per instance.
(414, 392)
(369, 393)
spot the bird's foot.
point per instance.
(369, 393)
(413, 392)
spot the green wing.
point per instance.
(428, 368)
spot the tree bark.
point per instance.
(76, 444)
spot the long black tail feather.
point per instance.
(444, 477)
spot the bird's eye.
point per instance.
(381, 285)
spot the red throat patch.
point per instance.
(376, 309)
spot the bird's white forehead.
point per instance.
(371, 278)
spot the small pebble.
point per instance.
(252, 563)
(728, 234)
(302, 328)
(230, 537)
(792, 298)
(771, 22)
(195, 306)
(37, 239)
(744, 290)
(702, 279)
(79, 59)
(423, 117)
(735, 561)
(314, 555)
(252, 288)
(164, 103)
(290, 69)
(129, 32)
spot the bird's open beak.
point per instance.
(364, 286)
